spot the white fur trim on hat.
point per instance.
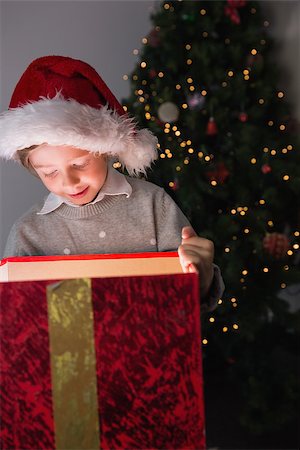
(60, 121)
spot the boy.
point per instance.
(64, 125)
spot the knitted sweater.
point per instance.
(146, 221)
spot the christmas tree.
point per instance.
(207, 85)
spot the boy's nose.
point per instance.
(70, 179)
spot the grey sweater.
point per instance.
(146, 221)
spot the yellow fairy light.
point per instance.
(220, 301)
(213, 183)
(227, 250)
(140, 91)
(233, 211)
(205, 341)
(246, 230)
(245, 272)
(183, 144)
(184, 106)
(178, 87)
(144, 40)
(246, 77)
(167, 130)
(262, 201)
(284, 150)
(235, 326)
(191, 150)
(242, 213)
(296, 246)
(125, 108)
(282, 127)
(254, 51)
(177, 133)
(265, 269)
(167, 125)
(204, 92)
(286, 267)
(117, 165)
(246, 72)
(202, 12)
(283, 285)
(297, 233)
(189, 61)
(169, 155)
(188, 47)
(212, 319)
(141, 99)
(167, 6)
(207, 158)
(135, 51)
(270, 123)
(285, 177)
(224, 84)
(135, 77)
(265, 149)
(167, 150)
(200, 154)
(188, 142)
(192, 88)
(144, 82)
(273, 152)
(160, 74)
(253, 160)
(162, 155)
(189, 80)
(186, 161)
(225, 329)
(143, 64)
(174, 128)
(171, 184)
(261, 101)
(289, 147)
(230, 73)
(125, 77)
(280, 94)
(148, 116)
(290, 252)
(178, 168)
(270, 223)
(233, 299)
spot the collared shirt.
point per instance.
(115, 184)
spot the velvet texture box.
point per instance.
(111, 363)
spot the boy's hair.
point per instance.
(23, 157)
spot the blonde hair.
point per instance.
(23, 157)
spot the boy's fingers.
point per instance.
(187, 232)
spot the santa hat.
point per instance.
(63, 101)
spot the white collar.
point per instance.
(115, 184)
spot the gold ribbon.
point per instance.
(73, 365)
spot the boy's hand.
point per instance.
(196, 255)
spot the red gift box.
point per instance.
(111, 363)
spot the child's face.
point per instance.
(69, 172)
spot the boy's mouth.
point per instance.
(79, 194)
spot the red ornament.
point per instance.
(276, 244)
(211, 129)
(243, 117)
(231, 10)
(220, 174)
(266, 169)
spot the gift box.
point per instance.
(104, 363)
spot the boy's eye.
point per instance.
(51, 174)
(81, 166)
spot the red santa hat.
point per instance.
(63, 101)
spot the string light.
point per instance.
(125, 108)
(273, 152)
(225, 329)
(282, 127)
(162, 155)
(230, 73)
(262, 201)
(125, 77)
(289, 147)
(296, 233)
(224, 84)
(135, 51)
(204, 92)
(160, 74)
(143, 64)
(285, 178)
(145, 40)
(265, 149)
(284, 150)
(184, 106)
(235, 326)
(254, 51)
(270, 123)
(253, 161)
(270, 223)
(283, 285)
(205, 341)
(166, 6)
(296, 246)
(117, 165)
(178, 168)
(246, 231)
(212, 319)
(280, 94)
(135, 77)
(188, 47)
(202, 12)
(189, 61)
(265, 269)
(205, 34)
(261, 101)
(227, 250)
(178, 87)
(213, 183)
(220, 301)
